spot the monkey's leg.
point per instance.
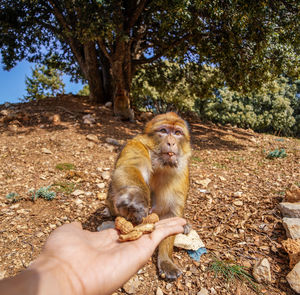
(167, 268)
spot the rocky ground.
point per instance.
(233, 200)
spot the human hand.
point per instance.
(95, 262)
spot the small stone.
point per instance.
(112, 141)
(168, 286)
(105, 175)
(222, 178)
(88, 119)
(78, 192)
(203, 291)
(52, 226)
(238, 203)
(204, 182)
(290, 209)
(191, 241)
(2, 274)
(108, 104)
(237, 194)
(292, 247)
(262, 271)
(46, 151)
(292, 195)
(131, 287)
(159, 291)
(100, 185)
(78, 202)
(293, 278)
(292, 227)
(39, 234)
(92, 137)
(101, 196)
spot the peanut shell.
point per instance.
(145, 228)
(134, 235)
(151, 218)
(123, 225)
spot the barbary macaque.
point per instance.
(152, 175)
(122, 105)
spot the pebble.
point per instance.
(78, 192)
(105, 175)
(237, 194)
(92, 137)
(131, 287)
(101, 196)
(238, 203)
(203, 291)
(39, 234)
(46, 151)
(100, 185)
(262, 271)
(159, 291)
(293, 278)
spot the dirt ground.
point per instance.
(232, 203)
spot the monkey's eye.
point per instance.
(178, 132)
(163, 130)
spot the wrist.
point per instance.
(55, 276)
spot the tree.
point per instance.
(44, 82)
(106, 41)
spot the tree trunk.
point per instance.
(93, 73)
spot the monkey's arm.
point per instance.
(129, 193)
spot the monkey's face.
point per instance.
(169, 138)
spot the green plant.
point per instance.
(277, 154)
(197, 159)
(13, 197)
(232, 271)
(65, 166)
(64, 187)
(43, 192)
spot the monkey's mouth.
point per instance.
(169, 159)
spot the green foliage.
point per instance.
(13, 197)
(43, 192)
(85, 91)
(270, 109)
(65, 166)
(229, 271)
(169, 86)
(64, 187)
(277, 154)
(44, 82)
(250, 42)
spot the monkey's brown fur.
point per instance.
(152, 171)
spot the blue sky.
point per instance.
(13, 82)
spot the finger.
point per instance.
(76, 224)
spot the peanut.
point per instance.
(151, 218)
(123, 225)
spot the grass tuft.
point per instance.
(65, 166)
(43, 192)
(232, 271)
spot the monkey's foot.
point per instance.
(169, 271)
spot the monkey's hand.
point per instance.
(133, 205)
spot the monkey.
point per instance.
(152, 172)
(122, 105)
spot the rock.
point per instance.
(2, 274)
(39, 234)
(55, 119)
(159, 291)
(292, 247)
(131, 287)
(237, 194)
(106, 225)
(204, 182)
(88, 119)
(100, 185)
(238, 203)
(105, 175)
(292, 195)
(292, 227)
(203, 291)
(262, 271)
(190, 241)
(78, 192)
(108, 104)
(92, 137)
(46, 151)
(112, 141)
(293, 278)
(101, 196)
(290, 209)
